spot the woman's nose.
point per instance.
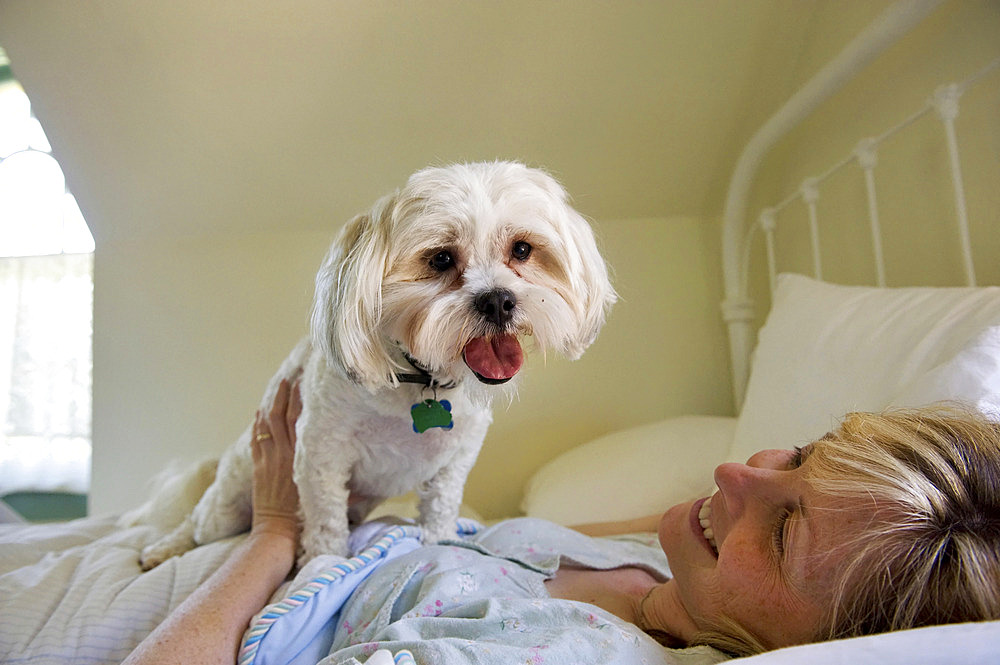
(738, 482)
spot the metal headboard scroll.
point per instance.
(945, 102)
(737, 308)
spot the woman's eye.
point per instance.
(797, 458)
(521, 250)
(778, 536)
(442, 261)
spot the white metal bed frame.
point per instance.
(737, 236)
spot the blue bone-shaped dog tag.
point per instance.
(431, 413)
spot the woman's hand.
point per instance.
(275, 496)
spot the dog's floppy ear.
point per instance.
(347, 305)
(590, 292)
(589, 281)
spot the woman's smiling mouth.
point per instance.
(705, 519)
(701, 517)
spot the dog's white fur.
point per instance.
(378, 296)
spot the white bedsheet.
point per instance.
(74, 592)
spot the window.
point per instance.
(46, 305)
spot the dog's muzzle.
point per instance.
(495, 359)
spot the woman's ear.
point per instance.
(347, 305)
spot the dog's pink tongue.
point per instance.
(494, 357)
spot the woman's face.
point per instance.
(761, 551)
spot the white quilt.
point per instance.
(74, 592)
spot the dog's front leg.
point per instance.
(441, 497)
(322, 473)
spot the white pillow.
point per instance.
(631, 473)
(827, 349)
(971, 377)
(953, 644)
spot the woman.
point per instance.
(887, 523)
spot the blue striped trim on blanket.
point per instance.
(404, 657)
(371, 555)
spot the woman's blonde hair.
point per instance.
(931, 552)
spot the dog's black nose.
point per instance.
(497, 305)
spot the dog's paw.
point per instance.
(322, 541)
(151, 557)
(429, 537)
(155, 554)
(309, 570)
(434, 531)
(175, 543)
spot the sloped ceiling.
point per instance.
(222, 116)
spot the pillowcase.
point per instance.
(951, 644)
(827, 349)
(971, 377)
(631, 473)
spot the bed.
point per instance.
(72, 592)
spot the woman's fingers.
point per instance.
(279, 423)
(259, 432)
(279, 407)
(275, 497)
(285, 410)
(294, 411)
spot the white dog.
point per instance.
(419, 310)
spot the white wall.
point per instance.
(186, 334)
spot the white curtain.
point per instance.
(46, 323)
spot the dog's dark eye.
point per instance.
(442, 261)
(521, 250)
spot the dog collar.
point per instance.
(427, 413)
(422, 377)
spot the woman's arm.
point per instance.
(208, 625)
(639, 524)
